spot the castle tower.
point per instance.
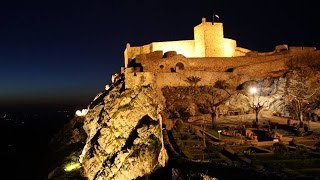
(210, 42)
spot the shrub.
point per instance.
(193, 80)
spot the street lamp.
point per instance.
(253, 90)
(256, 106)
(219, 131)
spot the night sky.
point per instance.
(64, 52)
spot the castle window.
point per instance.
(229, 70)
(161, 66)
(179, 66)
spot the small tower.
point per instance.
(125, 54)
(210, 42)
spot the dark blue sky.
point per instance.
(64, 52)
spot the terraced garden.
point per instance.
(297, 158)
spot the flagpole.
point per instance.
(213, 19)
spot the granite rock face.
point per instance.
(271, 94)
(124, 132)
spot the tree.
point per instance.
(223, 85)
(302, 89)
(257, 106)
(257, 89)
(216, 96)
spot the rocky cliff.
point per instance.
(124, 134)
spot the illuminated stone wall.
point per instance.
(181, 47)
(179, 78)
(134, 79)
(159, 80)
(239, 51)
(173, 70)
(262, 69)
(210, 41)
(131, 52)
(216, 64)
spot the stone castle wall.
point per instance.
(155, 62)
(157, 71)
(180, 78)
(185, 47)
(130, 52)
(134, 79)
(159, 80)
(262, 69)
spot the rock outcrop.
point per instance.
(124, 130)
(271, 95)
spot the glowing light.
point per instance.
(72, 166)
(253, 90)
(107, 87)
(81, 113)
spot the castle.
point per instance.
(209, 56)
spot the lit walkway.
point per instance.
(263, 118)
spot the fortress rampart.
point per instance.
(158, 70)
(159, 64)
